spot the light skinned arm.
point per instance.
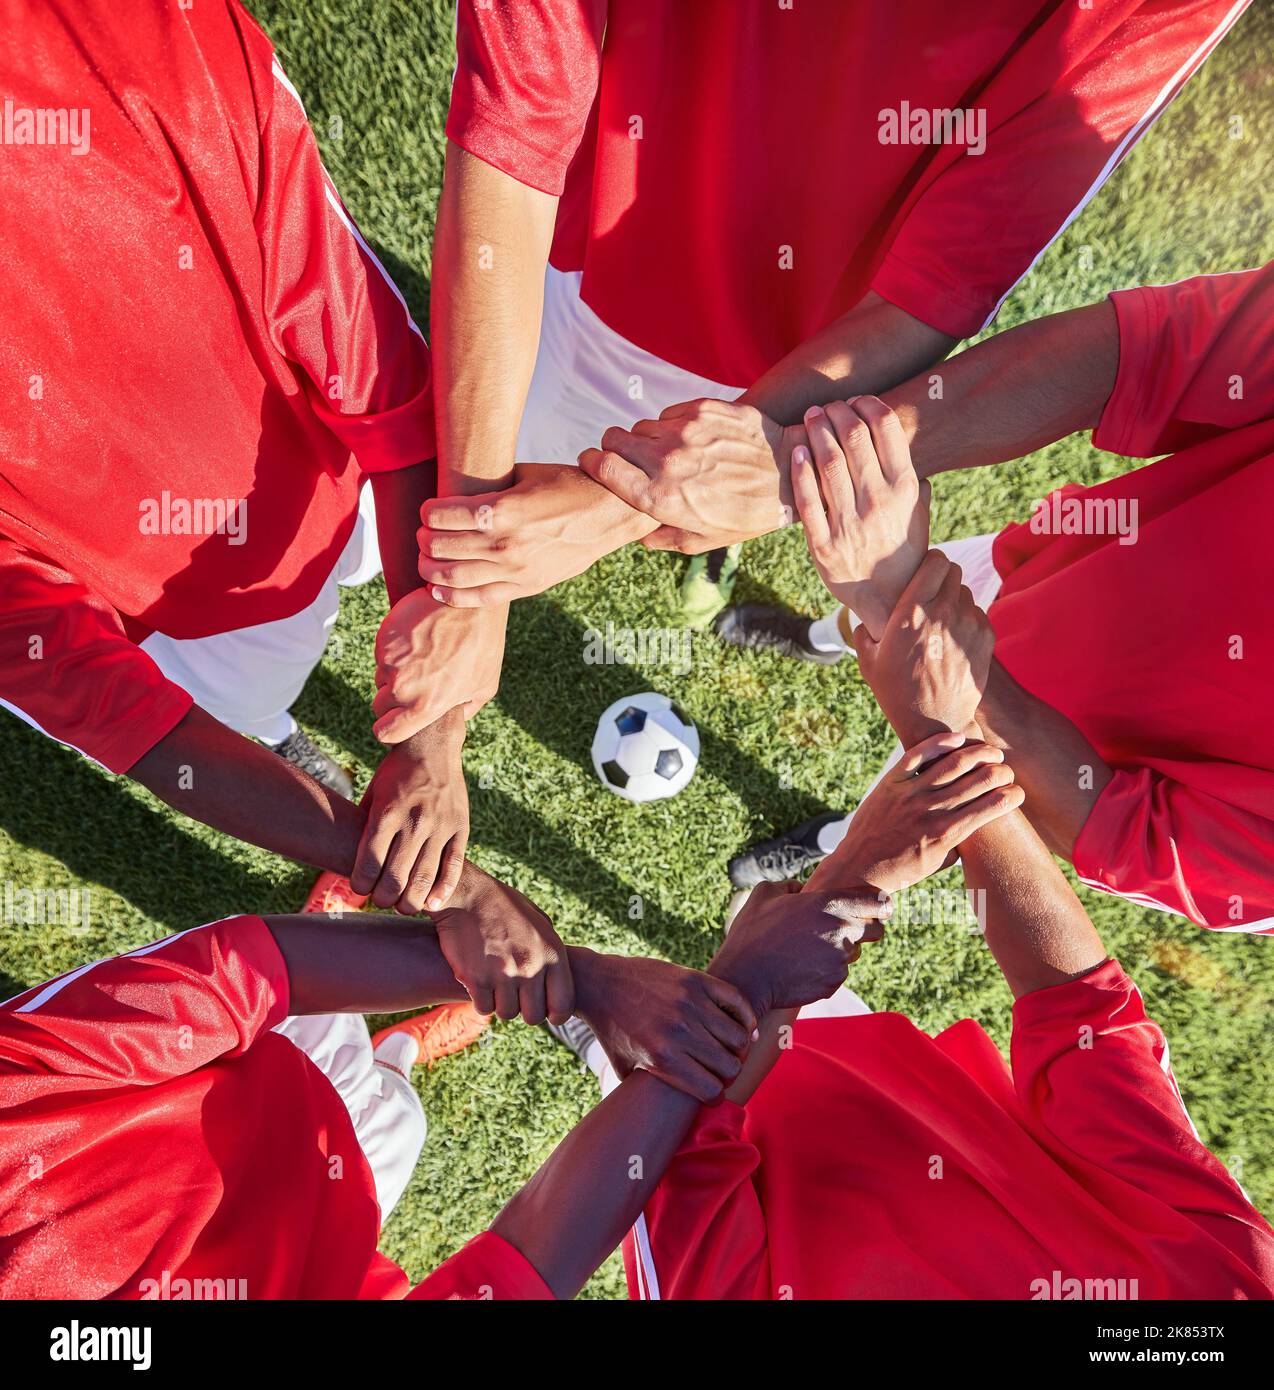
(934, 671)
(873, 346)
(490, 255)
(997, 401)
(491, 251)
(709, 456)
(713, 473)
(1053, 762)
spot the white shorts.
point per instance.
(587, 378)
(249, 678)
(388, 1117)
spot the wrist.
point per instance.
(614, 522)
(751, 983)
(586, 970)
(445, 736)
(866, 605)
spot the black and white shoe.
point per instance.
(759, 627)
(788, 856)
(301, 751)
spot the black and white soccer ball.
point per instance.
(645, 747)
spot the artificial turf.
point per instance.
(781, 741)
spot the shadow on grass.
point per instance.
(61, 804)
(553, 694)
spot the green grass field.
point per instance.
(780, 742)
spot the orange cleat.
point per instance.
(332, 894)
(440, 1031)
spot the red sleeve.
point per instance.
(1091, 1067)
(487, 1269)
(1151, 838)
(160, 1011)
(331, 306)
(526, 77)
(1196, 359)
(702, 1234)
(982, 222)
(66, 663)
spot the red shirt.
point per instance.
(727, 189)
(878, 1162)
(1171, 682)
(208, 342)
(154, 1133)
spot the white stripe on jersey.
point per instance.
(1157, 108)
(333, 197)
(647, 1279)
(56, 986)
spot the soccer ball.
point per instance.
(645, 747)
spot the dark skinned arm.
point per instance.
(1012, 394)
(212, 774)
(591, 1189)
(1061, 773)
(399, 496)
(1036, 927)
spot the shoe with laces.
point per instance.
(301, 751)
(333, 895)
(441, 1031)
(708, 584)
(788, 856)
(762, 628)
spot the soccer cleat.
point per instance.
(301, 751)
(708, 584)
(333, 895)
(759, 627)
(575, 1034)
(441, 1031)
(788, 856)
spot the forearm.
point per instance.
(1060, 771)
(214, 775)
(490, 254)
(1012, 394)
(866, 351)
(577, 1208)
(1035, 926)
(399, 495)
(774, 1035)
(362, 963)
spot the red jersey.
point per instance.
(1172, 682)
(206, 364)
(736, 174)
(159, 1141)
(878, 1162)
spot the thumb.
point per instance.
(400, 723)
